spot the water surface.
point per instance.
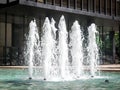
(17, 79)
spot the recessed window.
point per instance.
(64, 3)
(118, 8)
(57, 2)
(72, 3)
(41, 1)
(85, 4)
(103, 6)
(49, 1)
(79, 4)
(108, 7)
(97, 6)
(113, 7)
(91, 5)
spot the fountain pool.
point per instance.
(17, 79)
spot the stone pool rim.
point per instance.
(111, 68)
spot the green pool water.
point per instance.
(17, 79)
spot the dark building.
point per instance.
(15, 16)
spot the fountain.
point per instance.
(92, 49)
(63, 49)
(76, 41)
(60, 59)
(32, 46)
(57, 56)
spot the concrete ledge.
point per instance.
(113, 67)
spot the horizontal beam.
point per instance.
(67, 10)
(47, 7)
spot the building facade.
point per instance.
(15, 16)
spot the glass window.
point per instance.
(108, 35)
(99, 38)
(79, 4)
(11, 0)
(57, 2)
(108, 7)
(49, 1)
(2, 34)
(17, 31)
(64, 3)
(92, 5)
(85, 4)
(5, 37)
(41, 1)
(118, 8)
(97, 6)
(32, 0)
(103, 6)
(113, 7)
(117, 46)
(72, 3)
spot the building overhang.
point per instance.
(24, 7)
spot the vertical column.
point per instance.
(68, 3)
(60, 2)
(5, 48)
(99, 6)
(7, 1)
(75, 4)
(45, 1)
(115, 7)
(94, 6)
(88, 5)
(81, 4)
(53, 2)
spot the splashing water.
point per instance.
(76, 40)
(92, 49)
(63, 48)
(55, 58)
(48, 45)
(32, 46)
